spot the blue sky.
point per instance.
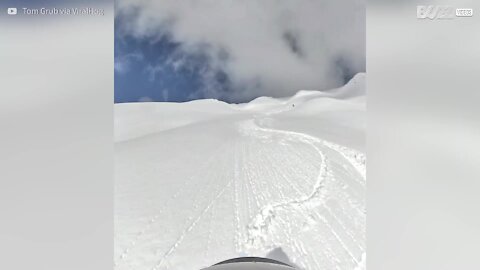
(235, 51)
(143, 73)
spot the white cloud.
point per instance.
(123, 62)
(266, 47)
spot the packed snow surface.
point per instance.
(200, 182)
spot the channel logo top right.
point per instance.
(434, 12)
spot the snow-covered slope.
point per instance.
(205, 181)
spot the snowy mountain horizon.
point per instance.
(357, 78)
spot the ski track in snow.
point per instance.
(258, 228)
(262, 189)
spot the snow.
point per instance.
(204, 181)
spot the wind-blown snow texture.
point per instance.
(205, 181)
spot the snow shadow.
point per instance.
(279, 255)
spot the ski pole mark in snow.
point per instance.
(210, 231)
(190, 227)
